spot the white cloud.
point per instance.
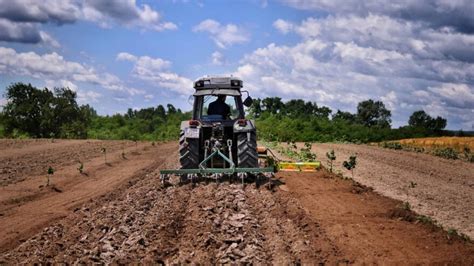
(436, 13)
(145, 65)
(126, 57)
(3, 102)
(61, 84)
(283, 26)
(24, 32)
(456, 95)
(47, 39)
(223, 35)
(217, 58)
(56, 11)
(387, 33)
(124, 12)
(85, 97)
(20, 20)
(149, 97)
(156, 72)
(342, 60)
(52, 66)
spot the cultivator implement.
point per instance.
(217, 173)
(286, 166)
(269, 163)
(298, 166)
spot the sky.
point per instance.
(410, 54)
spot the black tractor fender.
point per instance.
(239, 126)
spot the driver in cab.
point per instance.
(219, 107)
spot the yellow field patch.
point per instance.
(457, 143)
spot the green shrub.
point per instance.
(447, 153)
(392, 145)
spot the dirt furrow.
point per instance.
(291, 237)
(369, 228)
(16, 165)
(444, 188)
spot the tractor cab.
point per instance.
(219, 99)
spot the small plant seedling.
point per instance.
(411, 185)
(51, 135)
(406, 206)
(153, 144)
(291, 150)
(80, 168)
(306, 154)
(468, 155)
(104, 151)
(50, 173)
(331, 158)
(123, 152)
(351, 164)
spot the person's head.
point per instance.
(221, 98)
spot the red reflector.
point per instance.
(242, 122)
(193, 123)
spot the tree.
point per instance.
(373, 113)
(130, 113)
(438, 124)
(160, 112)
(273, 105)
(171, 109)
(420, 119)
(26, 109)
(322, 112)
(255, 110)
(296, 108)
(346, 116)
(42, 113)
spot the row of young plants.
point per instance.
(444, 152)
(103, 150)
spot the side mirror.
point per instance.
(191, 100)
(248, 101)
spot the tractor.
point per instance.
(219, 140)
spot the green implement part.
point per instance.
(228, 170)
(218, 171)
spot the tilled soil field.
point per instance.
(444, 188)
(120, 213)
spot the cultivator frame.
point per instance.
(217, 173)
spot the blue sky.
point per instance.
(123, 54)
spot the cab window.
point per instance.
(215, 113)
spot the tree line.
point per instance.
(43, 113)
(299, 120)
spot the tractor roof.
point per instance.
(218, 85)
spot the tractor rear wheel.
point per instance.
(188, 152)
(247, 150)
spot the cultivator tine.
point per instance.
(164, 178)
(242, 176)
